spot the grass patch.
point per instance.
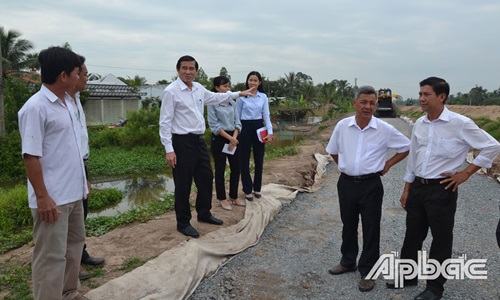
(103, 224)
(15, 279)
(273, 152)
(133, 263)
(99, 198)
(115, 161)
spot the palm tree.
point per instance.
(14, 50)
(326, 92)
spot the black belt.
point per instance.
(361, 178)
(428, 181)
(189, 135)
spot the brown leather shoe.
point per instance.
(340, 269)
(366, 285)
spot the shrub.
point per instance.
(14, 210)
(99, 198)
(11, 162)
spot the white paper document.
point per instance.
(225, 149)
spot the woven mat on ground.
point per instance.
(176, 273)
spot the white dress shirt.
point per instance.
(255, 108)
(50, 131)
(363, 151)
(440, 146)
(80, 115)
(182, 109)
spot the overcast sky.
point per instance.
(385, 43)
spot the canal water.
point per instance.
(143, 189)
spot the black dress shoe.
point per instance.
(83, 275)
(211, 220)
(392, 284)
(189, 231)
(93, 261)
(428, 295)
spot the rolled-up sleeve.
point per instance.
(488, 147)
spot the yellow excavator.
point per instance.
(386, 106)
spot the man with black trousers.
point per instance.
(85, 151)
(181, 131)
(439, 143)
(359, 146)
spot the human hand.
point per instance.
(233, 141)
(248, 92)
(403, 199)
(454, 180)
(47, 209)
(88, 187)
(269, 138)
(171, 159)
(385, 170)
(404, 196)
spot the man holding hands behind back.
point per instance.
(359, 145)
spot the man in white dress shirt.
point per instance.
(51, 144)
(181, 131)
(75, 95)
(439, 143)
(359, 146)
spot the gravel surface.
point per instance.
(292, 259)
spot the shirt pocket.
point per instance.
(446, 148)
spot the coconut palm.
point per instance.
(14, 50)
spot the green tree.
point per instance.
(14, 50)
(478, 95)
(223, 72)
(326, 92)
(16, 92)
(202, 78)
(135, 82)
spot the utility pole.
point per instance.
(2, 112)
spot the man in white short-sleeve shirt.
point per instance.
(51, 152)
(359, 146)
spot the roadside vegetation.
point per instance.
(490, 126)
(136, 148)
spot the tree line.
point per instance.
(294, 89)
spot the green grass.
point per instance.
(103, 224)
(273, 152)
(133, 263)
(99, 198)
(15, 279)
(115, 161)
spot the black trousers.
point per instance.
(360, 198)
(193, 162)
(220, 157)
(247, 140)
(430, 206)
(85, 254)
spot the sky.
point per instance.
(386, 44)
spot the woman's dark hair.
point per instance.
(55, 60)
(260, 88)
(218, 81)
(186, 58)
